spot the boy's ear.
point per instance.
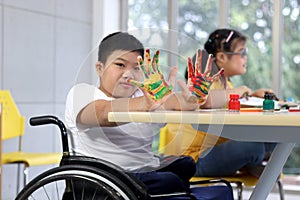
(99, 68)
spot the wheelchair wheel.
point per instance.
(72, 182)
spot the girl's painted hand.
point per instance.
(199, 83)
(154, 83)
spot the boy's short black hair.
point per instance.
(119, 41)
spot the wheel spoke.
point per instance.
(76, 182)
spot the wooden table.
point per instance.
(280, 127)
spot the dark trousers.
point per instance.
(174, 177)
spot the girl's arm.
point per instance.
(219, 98)
(261, 92)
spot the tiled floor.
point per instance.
(291, 184)
(275, 196)
(288, 195)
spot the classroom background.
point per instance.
(49, 45)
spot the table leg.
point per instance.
(273, 169)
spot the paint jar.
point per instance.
(234, 103)
(268, 103)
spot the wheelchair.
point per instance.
(80, 177)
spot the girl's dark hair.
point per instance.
(119, 41)
(223, 40)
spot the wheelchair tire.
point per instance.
(72, 182)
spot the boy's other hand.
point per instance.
(199, 83)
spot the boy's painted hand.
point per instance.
(199, 83)
(154, 82)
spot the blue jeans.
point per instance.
(172, 178)
(227, 158)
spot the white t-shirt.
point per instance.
(128, 146)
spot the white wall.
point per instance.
(43, 47)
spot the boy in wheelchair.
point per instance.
(123, 88)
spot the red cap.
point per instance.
(234, 96)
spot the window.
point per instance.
(291, 68)
(148, 21)
(256, 24)
(290, 50)
(197, 19)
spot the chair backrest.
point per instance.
(12, 122)
(0, 149)
(169, 142)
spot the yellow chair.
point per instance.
(12, 126)
(0, 150)
(170, 143)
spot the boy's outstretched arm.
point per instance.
(96, 113)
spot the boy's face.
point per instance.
(120, 66)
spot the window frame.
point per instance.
(277, 35)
